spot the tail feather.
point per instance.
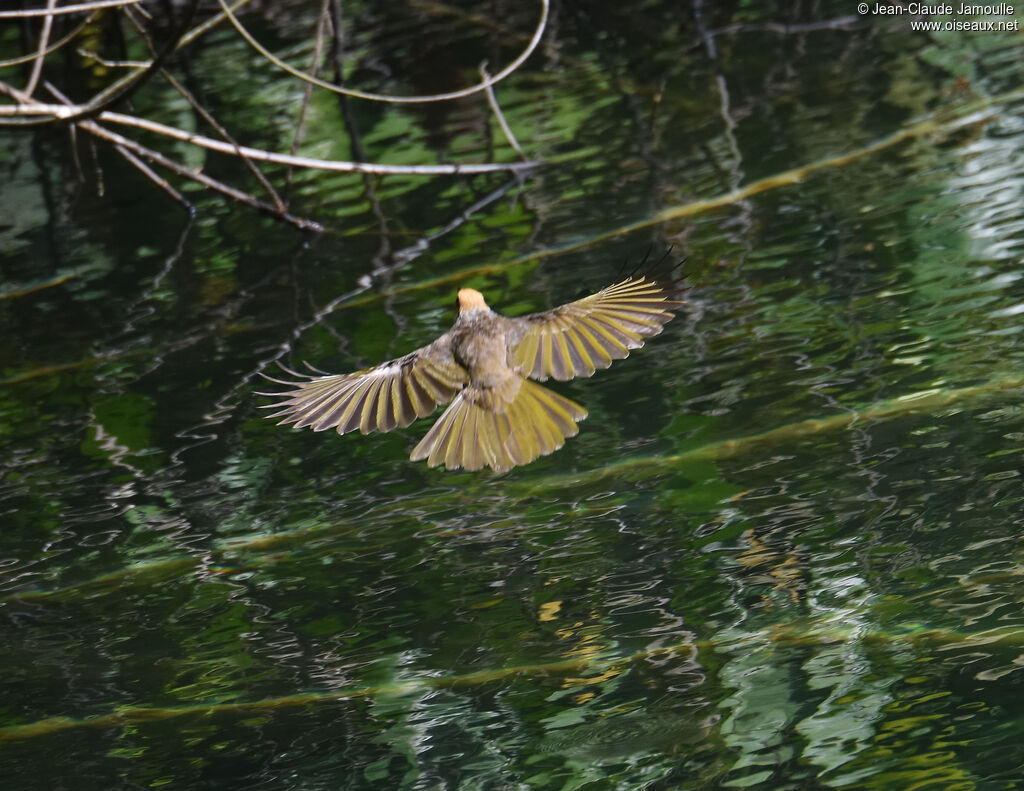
(443, 428)
(471, 435)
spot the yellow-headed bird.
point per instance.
(498, 418)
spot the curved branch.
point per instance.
(377, 97)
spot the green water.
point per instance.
(784, 551)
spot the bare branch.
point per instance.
(161, 182)
(44, 39)
(112, 64)
(224, 133)
(840, 23)
(243, 197)
(307, 93)
(122, 142)
(213, 21)
(492, 100)
(95, 115)
(55, 111)
(31, 107)
(407, 254)
(307, 162)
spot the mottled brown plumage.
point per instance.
(498, 418)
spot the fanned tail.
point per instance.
(470, 435)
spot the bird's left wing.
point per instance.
(388, 396)
(580, 337)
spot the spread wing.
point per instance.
(580, 337)
(388, 396)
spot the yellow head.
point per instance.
(470, 299)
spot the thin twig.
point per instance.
(95, 129)
(413, 251)
(112, 64)
(44, 40)
(492, 100)
(213, 21)
(307, 93)
(207, 116)
(736, 171)
(73, 145)
(840, 23)
(381, 261)
(280, 204)
(161, 182)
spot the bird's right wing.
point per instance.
(388, 396)
(579, 337)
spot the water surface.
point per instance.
(784, 550)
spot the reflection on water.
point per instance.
(790, 558)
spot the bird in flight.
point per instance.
(484, 365)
